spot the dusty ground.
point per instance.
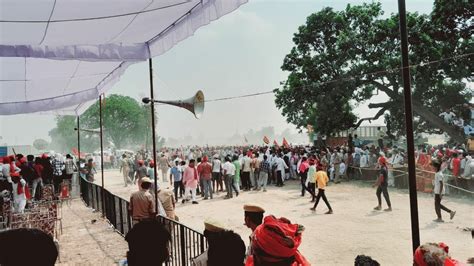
(85, 243)
(353, 229)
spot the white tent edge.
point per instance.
(126, 54)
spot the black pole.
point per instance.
(78, 146)
(101, 154)
(415, 231)
(150, 67)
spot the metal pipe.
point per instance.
(415, 231)
(150, 67)
(78, 146)
(101, 153)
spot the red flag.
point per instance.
(285, 143)
(275, 143)
(266, 140)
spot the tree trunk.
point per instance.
(437, 122)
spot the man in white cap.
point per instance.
(142, 204)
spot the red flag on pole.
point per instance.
(275, 143)
(285, 143)
(266, 140)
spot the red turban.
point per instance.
(278, 239)
(435, 251)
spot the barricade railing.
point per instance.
(186, 243)
(454, 186)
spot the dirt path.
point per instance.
(353, 229)
(84, 242)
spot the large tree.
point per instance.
(126, 123)
(343, 58)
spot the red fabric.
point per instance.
(12, 170)
(456, 166)
(278, 238)
(19, 188)
(65, 192)
(27, 192)
(266, 140)
(205, 170)
(304, 166)
(382, 160)
(39, 170)
(420, 261)
(195, 173)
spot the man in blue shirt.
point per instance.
(177, 177)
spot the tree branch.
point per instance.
(379, 114)
(391, 93)
(379, 105)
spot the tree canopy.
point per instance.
(342, 58)
(125, 123)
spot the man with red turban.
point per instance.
(276, 242)
(382, 185)
(433, 254)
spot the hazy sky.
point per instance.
(241, 53)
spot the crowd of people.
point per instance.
(22, 177)
(208, 171)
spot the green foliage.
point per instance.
(342, 58)
(126, 124)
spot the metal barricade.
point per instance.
(186, 243)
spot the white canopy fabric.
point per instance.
(61, 54)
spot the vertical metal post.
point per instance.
(150, 68)
(101, 153)
(415, 231)
(78, 145)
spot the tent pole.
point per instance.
(415, 231)
(78, 145)
(150, 68)
(101, 154)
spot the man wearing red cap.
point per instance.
(382, 185)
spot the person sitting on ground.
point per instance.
(433, 254)
(276, 243)
(148, 243)
(362, 260)
(25, 246)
